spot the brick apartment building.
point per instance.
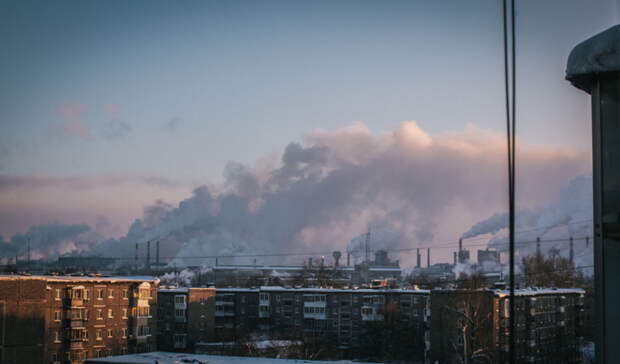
(65, 319)
(549, 325)
(339, 316)
(186, 316)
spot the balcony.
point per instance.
(76, 323)
(76, 345)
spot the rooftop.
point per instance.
(598, 54)
(175, 358)
(81, 279)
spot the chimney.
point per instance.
(148, 254)
(460, 245)
(157, 253)
(348, 259)
(454, 258)
(428, 257)
(418, 257)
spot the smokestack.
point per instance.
(310, 262)
(157, 253)
(148, 253)
(460, 245)
(216, 262)
(428, 257)
(455, 258)
(348, 259)
(572, 252)
(418, 257)
(538, 246)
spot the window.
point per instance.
(124, 294)
(110, 293)
(57, 316)
(124, 332)
(179, 341)
(180, 313)
(98, 335)
(86, 295)
(99, 314)
(180, 299)
(57, 336)
(99, 294)
(109, 332)
(57, 295)
(55, 358)
(124, 313)
(110, 313)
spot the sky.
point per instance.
(108, 106)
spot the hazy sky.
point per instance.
(107, 106)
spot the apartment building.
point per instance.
(475, 325)
(65, 319)
(340, 315)
(186, 316)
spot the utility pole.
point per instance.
(572, 252)
(538, 246)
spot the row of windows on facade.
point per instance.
(372, 299)
(82, 333)
(83, 314)
(99, 293)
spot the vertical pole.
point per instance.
(572, 252)
(538, 246)
(418, 257)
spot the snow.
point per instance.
(540, 291)
(180, 358)
(598, 54)
(336, 290)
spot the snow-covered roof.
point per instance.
(80, 279)
(336, 290)
(177, 358)
(598, 54)
(539, 291)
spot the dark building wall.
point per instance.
(22, 321)
(45, 323)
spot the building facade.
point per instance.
(472, 325)
(186, 316)
(63, 319)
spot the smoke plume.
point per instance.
(418, 187)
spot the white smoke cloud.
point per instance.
(420, 188)
(569, 214)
